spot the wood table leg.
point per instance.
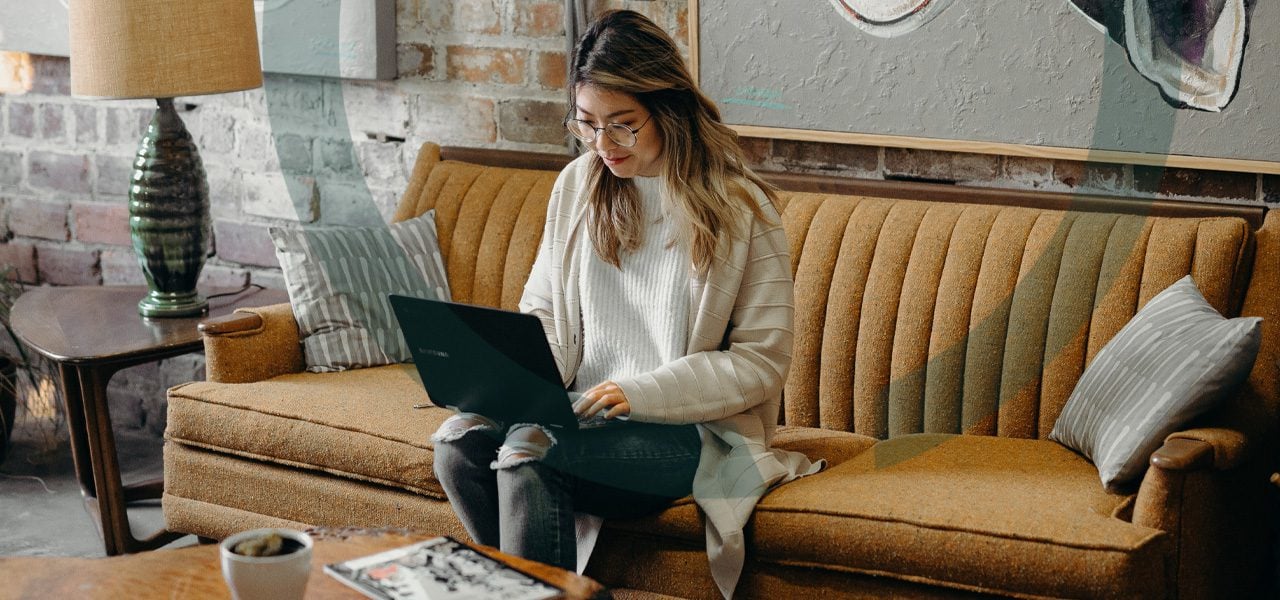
(73, 403)
(113, 496)
(151, 489)
(153, 541)
(106, 469)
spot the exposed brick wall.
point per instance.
(481, 73)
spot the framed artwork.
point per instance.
(1151, 82)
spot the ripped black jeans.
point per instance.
(516, 488)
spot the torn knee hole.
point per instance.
(461, 424)
(527, 433)
(525, 443)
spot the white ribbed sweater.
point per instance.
(634, 318)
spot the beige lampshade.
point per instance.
(162, 48)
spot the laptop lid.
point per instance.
(483, 360)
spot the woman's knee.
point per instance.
(525, 443)
(459, 425)
(463, 442)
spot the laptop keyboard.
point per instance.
(596, 420)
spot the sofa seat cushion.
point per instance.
(834, 446)
(683, 521)
(359, 424)
(988, 514)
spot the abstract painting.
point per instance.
(1154, 82)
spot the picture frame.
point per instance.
(755, 42)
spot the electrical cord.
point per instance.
(239, 291)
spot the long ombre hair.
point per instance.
(702, 165)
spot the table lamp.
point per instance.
(163, 49)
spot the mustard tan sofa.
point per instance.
(939, 332)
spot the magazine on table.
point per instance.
(438, 569)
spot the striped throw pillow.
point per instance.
(338, 279)
(1176, 359)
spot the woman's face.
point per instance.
(602, 107)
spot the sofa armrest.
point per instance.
(1183, 455)
(236, 322)
(252, 344)
(1206, 454)
(1195, 449)
(1203, 488)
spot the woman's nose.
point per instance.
(604, 142)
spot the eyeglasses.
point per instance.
(617, 132)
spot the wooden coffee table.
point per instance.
(195, 572)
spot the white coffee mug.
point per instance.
(282, 577)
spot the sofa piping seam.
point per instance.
(192, 398)
(908, 578)
(1145, 540)
(306, 467)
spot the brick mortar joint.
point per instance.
(442, 40)
(61, 147)
(488, 91)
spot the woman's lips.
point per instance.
(614, 161)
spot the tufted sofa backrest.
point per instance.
(911, 316)
(488, 219)
(919, 317)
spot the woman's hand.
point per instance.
(607, 397)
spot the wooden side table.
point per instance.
(91, 333)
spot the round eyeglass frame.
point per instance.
(609, 130)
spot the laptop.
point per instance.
(486, 361)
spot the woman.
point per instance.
(663, 283)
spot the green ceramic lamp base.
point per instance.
(169, 216)
(171, 305)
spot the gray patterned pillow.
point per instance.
(338, 280)
(1176, 359)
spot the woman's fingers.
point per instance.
(585, 400)
(608, 396)
(619, 410)
(584, 406)
(598, 404)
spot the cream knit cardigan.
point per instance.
(730, 380)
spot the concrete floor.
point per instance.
(41, 510)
